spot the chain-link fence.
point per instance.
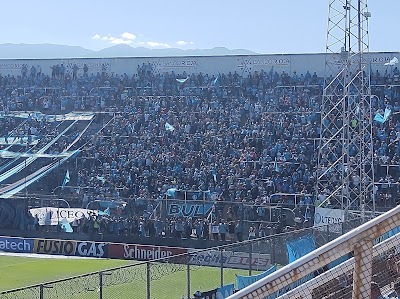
(178, 276)
(364, 263)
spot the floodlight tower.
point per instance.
(345, 173)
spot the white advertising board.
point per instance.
(331, 219)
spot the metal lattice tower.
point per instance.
(345, 155)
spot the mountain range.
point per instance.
(47, 51)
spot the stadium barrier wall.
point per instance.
(111, 238)
(367, 266)
(188, 270)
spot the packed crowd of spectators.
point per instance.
(245, 138)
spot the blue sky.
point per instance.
(263, 26)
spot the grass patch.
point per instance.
(168, 280)
(18, 272)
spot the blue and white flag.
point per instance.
(276, 167)
(106, 212)
(216, 80)
(171, 192)
(169, 127)
(66, 179)
(392, 62)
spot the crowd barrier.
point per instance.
(160, 266)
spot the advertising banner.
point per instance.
(332, 218)
(54, 216)
(19, 245)
(62, 247)
(242, 64)
(92, 249)
(142, 252)
(230, 259)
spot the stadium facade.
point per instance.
(212, 65)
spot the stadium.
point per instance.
(235, 176)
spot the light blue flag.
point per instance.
(379, 118)
(169, 127)
(66, 179)
(171, 192)
(106, 212)
(65, 226)
(276, 167)
(216, 80)
(386, 114)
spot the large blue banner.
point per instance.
(189, 209)
(300, 247)
(225, 291)
(296, 249)
(244, 281)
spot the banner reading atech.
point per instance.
(19, 245)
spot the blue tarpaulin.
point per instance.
(244, 281)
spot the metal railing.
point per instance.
(366, 266)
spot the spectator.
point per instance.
(215, 230)
(376, 291)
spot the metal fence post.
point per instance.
(148, 280)
(251, 257)
(101, 285)
(41, 293)
(188, 280)
(327, 234)
(273, 250)
(222, 266)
